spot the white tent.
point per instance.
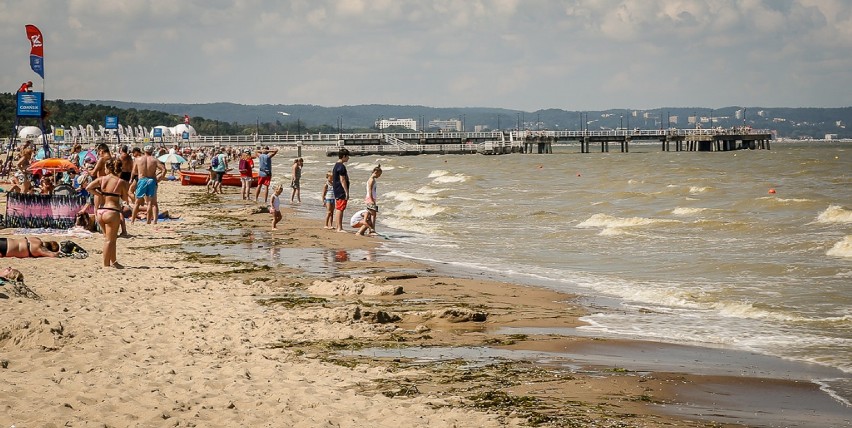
(167, 131)
(181, 128)
(29, 132)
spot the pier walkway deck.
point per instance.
(491, 142)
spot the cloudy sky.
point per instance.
(517, 54)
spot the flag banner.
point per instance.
(36, 49)
(47, 211)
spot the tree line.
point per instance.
(59, 113)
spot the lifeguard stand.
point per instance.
(28, 105)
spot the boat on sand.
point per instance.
(191, 178)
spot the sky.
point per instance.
(516, 54)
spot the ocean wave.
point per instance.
(415, 209)
(412, 225)
(365, 166)
(841, 248)
(404, 196)
(606, 221)
(835, 214)
(444, 179)
(696, 189)
(787, 200)
(687, 211)
(426, 190)
(441, 176)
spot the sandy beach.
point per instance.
(179, 338)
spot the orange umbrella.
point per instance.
(53, 165)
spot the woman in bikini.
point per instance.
(28, 247)
(112, 189)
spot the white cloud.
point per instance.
(574, 54)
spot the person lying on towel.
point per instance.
(28, 247)
(35, 247)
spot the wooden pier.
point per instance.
(486, 143)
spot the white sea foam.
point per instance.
(415, 209)
(842, 248)
(411, 225)
(403, 196)
(695, 189)
(426, 190)
(835, 214)
(440, 176)
(789, 200)
(457, 178)
(608, 223)
(681, 211)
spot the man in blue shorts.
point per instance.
(150, 171)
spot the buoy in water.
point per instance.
(771, 191)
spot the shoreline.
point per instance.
(128, 347)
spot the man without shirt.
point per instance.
(150, 171)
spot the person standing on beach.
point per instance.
(328, 201)
(264, 172)
(150, 171)
(340, 183)
(23, 165)
(126, 165)
(371, 200)
(297, 178)
(219, 164)
(275, 208)
(100, 170)
(112, 190)
(246, 167)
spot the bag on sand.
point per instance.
(71, 249)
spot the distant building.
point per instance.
(405, 123)
(446, 125)
(480, 128)
(673, 120)
(830, 136)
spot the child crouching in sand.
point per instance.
(275, 206)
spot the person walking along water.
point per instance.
(296, 182)
(340, 182)
(264, 172)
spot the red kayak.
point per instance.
(189, 178)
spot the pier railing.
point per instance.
(404, 139)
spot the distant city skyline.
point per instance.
(525, 55)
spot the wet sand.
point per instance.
(188, 335)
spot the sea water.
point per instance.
(750, 250)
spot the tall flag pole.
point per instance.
(36, 51)
(37, 64)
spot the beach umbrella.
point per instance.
(172, 158)
(87, 156)
(53, 165)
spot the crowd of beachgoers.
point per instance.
(119, 185)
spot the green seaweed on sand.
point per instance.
(290, 302)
